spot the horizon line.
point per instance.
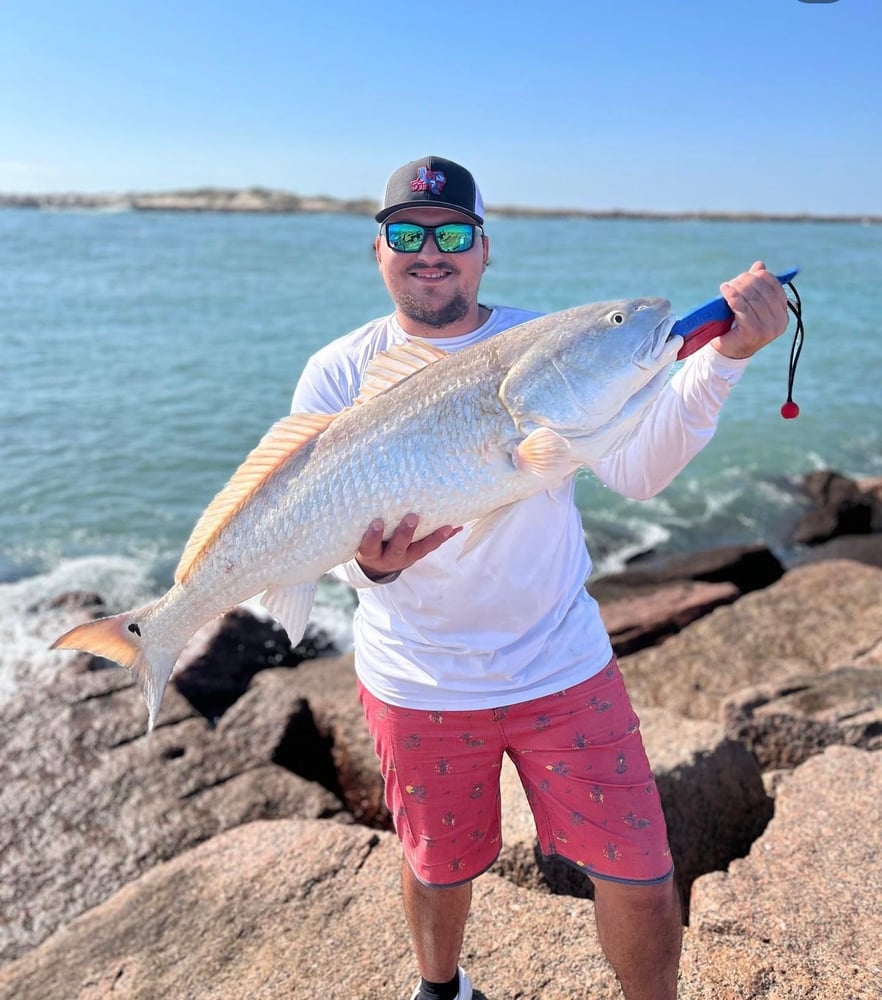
(263, 200)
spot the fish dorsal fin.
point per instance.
(390, 367)
(280, 443)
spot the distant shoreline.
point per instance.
(274, 202)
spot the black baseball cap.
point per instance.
(436, 182)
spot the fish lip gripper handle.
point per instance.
(710, 320)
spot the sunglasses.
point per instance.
(450, 237)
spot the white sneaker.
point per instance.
(465, 988)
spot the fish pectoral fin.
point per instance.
(285, 439)
(388, 368)
(290, 606)
(481, 529)
(544, 453)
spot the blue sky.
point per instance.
(765, 105)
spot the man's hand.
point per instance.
(760, 306)
(378, 558)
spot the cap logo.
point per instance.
(432, 181)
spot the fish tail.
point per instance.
(124, 638)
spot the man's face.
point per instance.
(433, 290)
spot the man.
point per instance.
(460, 661)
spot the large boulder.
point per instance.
(89, 802)
(799, 917)
(647, 619)
(330, 688)
(747, 567)
(787, 721)
(304, 908)
(859, 548)
(815, 618)
(840, 506)
(95, 815)
(217, 665)
(300, 909)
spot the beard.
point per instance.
(435, 316)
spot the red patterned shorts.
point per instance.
(582, 764)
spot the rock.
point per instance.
(711, 790)
(330, 688)
(815, 618)
(33, 620)
(299, 909)
(859, 548)
(748, 567)
(218, 663)
(86, 599)
(734, 968)
(168, 866)
(304, 908)
(645, 620)
(872, 486)
(800, 916)
(786, 722)
(842, 507)
(88, 802)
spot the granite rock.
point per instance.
(646, 619)
(803, 906)
(88, 802)
(305, 908)
(747, 567)
(840, 506)
(784, 723)
(815, 618)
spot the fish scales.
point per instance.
(383, 459)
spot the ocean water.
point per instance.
(143, 354)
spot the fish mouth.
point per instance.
(659, 344)
(670, 339)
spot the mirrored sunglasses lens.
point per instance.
(405, 237)
(454, 238)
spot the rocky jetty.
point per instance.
(274, 201)
(243, 848)
(261, 200)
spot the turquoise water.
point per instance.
(142, 355)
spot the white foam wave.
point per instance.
(644, 537)
(30, 624)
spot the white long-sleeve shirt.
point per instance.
(516, 623)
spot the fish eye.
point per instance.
(617, 317)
